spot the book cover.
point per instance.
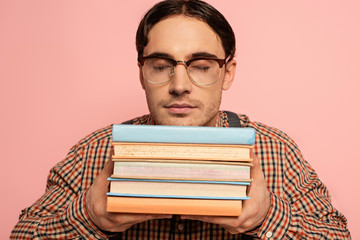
(182, 134)
(170, 169)
(178, 188)
(138, 150)
(174, 206)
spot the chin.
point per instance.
(176, 122)
(181, 120)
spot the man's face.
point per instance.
(180, 101)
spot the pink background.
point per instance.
(68, 68)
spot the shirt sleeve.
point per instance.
(301, 208)
(60, 213)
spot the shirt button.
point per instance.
(180, 227)
(269, 234)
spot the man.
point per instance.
(185, 59)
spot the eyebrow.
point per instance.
(192, 56)
(159, 54)
(203, 54)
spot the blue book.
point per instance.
(182, 134)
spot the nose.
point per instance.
(180, 82)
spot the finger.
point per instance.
(134, 217)
(256, 171)
(232, 224)
(101, 179)
(123, 219)
(101, 185)
(208, 219)
(198, 217)
(232, 230)
(222, 220)
(256, 162)
(108, 168)
(160, 216)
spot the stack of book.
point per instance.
(180, 170)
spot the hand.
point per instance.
(95, 203)
(254, 210)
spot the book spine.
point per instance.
(174, 196)
(181, 151)
(183, 134)
(174, 206)
(178, 181)
(184, 178)
(245, 162)
(181, 171)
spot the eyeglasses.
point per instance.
(201, 71)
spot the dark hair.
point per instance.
(191, 8)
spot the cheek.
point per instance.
(153, 95)
(214, 98)
(215, 93)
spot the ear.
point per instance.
(229, 74)
(141, 77)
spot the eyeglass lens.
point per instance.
(202, 71)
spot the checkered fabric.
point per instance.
(300, 203)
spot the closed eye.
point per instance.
(161, 68)
(201, 68)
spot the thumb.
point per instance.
(101, 179)
(108, 168)
(109, 165)
(256, 172)
(256, 165)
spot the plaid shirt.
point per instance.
(300, 202)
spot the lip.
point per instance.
(180, 108)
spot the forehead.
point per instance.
(181, 36)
